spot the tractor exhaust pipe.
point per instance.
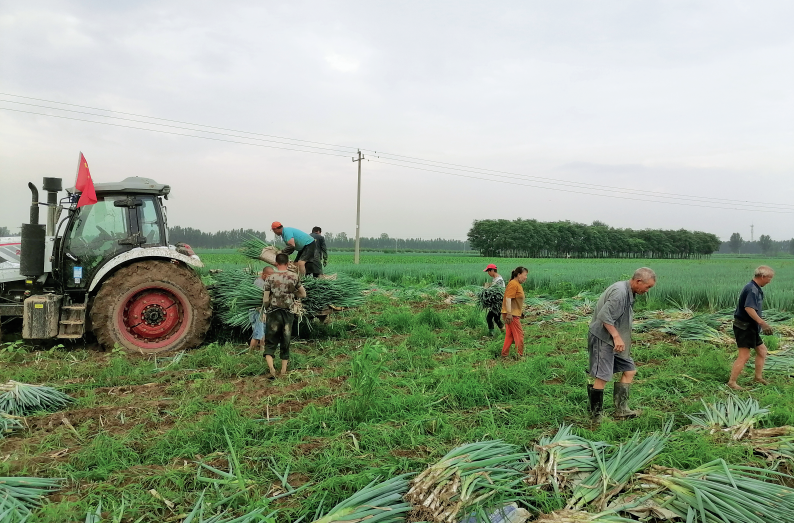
(34, 206)
(52, 186)
(31, 256)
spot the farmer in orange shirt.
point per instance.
(512, 311)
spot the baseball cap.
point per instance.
(275, 225)
(490, 266)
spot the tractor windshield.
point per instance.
(95, 236)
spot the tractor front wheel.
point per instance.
(152, 307)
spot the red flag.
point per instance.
(85, 184)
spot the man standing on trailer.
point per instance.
(747, 322)
(281, 290)
(296, 240)
(609, 343)
(315, 266)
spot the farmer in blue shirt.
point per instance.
(296, 240)
(747, 324)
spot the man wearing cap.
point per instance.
(494, 317)
(296, 240)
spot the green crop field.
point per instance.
(388, 389)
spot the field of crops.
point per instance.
(708, 284)
(393, 386)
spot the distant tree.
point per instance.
(4, 231)
(766, 244)
(791, 246)
(736, 243)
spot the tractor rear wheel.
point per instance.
(152, 307)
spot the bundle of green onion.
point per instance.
(9, 424)
(735, 415)
(321, 294)
(464, 479)
(234, 295)
(560, 457)
(375, 503)
(719, 492)
(18, 495)
(252, 247)
(698, 328)
(775, 443)
(615, 467)
(21, 399)
(490, 298)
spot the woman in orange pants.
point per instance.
(513, 311)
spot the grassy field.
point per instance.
(141, 428)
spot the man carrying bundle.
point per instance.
(281, 289)
(747, 322)
(296, 240)
(257, 316)
(609, 343)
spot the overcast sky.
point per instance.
(674, 97)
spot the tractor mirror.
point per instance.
(130, 201)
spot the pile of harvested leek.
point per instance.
(234, 295)
(464, 479)
(719, 492)
(18, 495)
(615, 467)
(735, 416)
(9, 424)
(375, 503)
(561, 457)
(21, 399)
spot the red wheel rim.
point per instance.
(153, 316)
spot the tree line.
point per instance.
(764, 245)
(533, 239)
(232, 238)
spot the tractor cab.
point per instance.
(128, 214)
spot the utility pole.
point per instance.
(751, 232)
(358, 208)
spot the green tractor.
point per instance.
(106, 268)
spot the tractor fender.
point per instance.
(138, 253)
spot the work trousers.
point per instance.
(279, 333)
(514, 333)
(494, 318)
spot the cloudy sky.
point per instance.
(674, 114)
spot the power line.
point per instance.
(627, 191)
(577, 192)
(173, 121)
(540, 179)
(171, 132)
(414, 163)
(174, 126)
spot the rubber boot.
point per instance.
(490, 332)
(596, 397)
(621, 399)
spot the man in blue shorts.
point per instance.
(296, 240)
(747, 325)
(257, 315)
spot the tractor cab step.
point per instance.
(72, 323)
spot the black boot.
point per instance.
(621, 399)
(596, 397)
